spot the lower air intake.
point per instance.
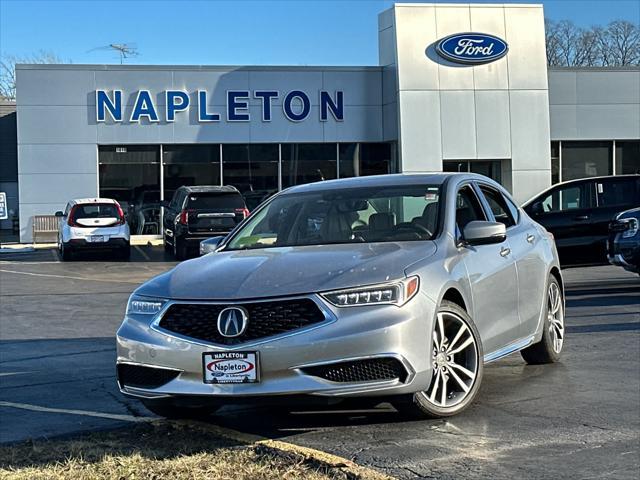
(369, 370)
(144, 377)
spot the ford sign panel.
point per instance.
(472, 48)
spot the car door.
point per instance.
(613, 195)
(531, 267)
(566, 212)
(492, 277)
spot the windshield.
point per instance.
(381, 214)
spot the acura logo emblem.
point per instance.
(232, 321)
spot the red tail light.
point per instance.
(121, 220)
(243, 211)
(70, 218)
(184, 217)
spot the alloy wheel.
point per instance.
(455, 361)
(555, 315)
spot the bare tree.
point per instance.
(617, 44)
(624, 40)
(8, 70)
(552, 39)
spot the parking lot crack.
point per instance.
(127, 406)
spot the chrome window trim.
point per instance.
(329, 318)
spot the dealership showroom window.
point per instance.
(139, 176)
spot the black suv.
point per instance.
(197, 213)
(578, 214)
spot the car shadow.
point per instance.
(139, 254)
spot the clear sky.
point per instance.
(294, 32)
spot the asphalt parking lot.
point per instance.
(579, 418)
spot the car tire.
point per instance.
(179, 249)
(549, 348)
(169, 410)
(65, 252)
(456, 381)
(167, 246)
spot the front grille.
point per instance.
(144, 377)
(374, 369)
(265, 319)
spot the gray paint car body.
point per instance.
(504, 295)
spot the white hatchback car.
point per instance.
(93, 224)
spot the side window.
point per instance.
(617, 192)
(571, 197)
(498, 206)
(179, 199)
(513, 209)
(173, 203)
(468, 207)
(66, 210)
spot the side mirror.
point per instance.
(483, 233)
(59, 214)
(164, 203)
(210, 245)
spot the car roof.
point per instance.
(390, 180)
(210, 188)
(84, 201)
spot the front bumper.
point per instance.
(351, 333)
(624, 253)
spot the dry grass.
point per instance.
(156, 451)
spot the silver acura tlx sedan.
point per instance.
(395, 287)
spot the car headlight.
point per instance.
(387, 293)
(632, 228)
(138, 305)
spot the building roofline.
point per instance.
(263, 68)
(467, 5)
(206, 68)
(626, 68)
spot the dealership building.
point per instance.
(484, 101)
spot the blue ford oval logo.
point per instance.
(472, 48)
(232, 321)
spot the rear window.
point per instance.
(617, 192)
(207, 201)
(96, 210)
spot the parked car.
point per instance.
(623, 246)
(397, 286)
(197, 213)
(578, 214)
(93, 224)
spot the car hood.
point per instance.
(282, 271)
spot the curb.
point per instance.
(349, 467)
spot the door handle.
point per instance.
(531, 238)
(504, 251)
(581, 217)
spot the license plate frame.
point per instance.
(218, 376)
